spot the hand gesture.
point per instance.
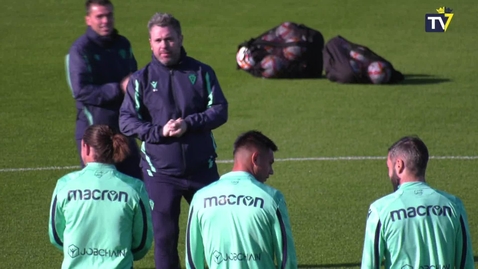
(167, 128)
(178, 128)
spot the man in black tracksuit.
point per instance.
(172, 105)
(98, 65)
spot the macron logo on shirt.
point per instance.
(420, 211)
(102, 195)
(232, 199)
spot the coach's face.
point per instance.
(262, 164)
(100, 19)
(166, 44)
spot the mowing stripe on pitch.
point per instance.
(346, 158)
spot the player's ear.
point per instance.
(399, 165)
(85, 148)
(255, 158)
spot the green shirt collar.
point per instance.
(239, 175)
(410, 185)
(96, 165)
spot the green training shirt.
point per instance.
(417, 227)
(238, 222)
(100, 218)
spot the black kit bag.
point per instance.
(347, 62)
(289, 50)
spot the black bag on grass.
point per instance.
(347, 62)
(289, 50)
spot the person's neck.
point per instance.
(88, 160)
(238, 167)
(103, 41)
(409, 179)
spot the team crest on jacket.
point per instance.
(154, 84)
(192, 78)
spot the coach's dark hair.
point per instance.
(110, 146)
(88, 4)
(255, 139)
(414, 153)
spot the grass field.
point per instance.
(327, 199)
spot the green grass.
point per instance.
(327, 200)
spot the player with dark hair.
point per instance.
(98, 66)
(238, 221)
(416, 226)
(99, 217)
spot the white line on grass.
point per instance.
(346, 158)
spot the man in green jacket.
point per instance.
(238, 221)
(99, 217)
(416, 226)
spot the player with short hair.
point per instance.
(99, 217)
(416, 226)
(98, 65)
(238, 221)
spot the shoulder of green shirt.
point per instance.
(275, 194)
(134, 183)
(452, 198)
(384, 202)
(64, 180)
(272, 192)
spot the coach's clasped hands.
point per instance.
(175, 128)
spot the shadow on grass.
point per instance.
(294, 79)
(410, 79)
(419, 79)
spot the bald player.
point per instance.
(238, 221)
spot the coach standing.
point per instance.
(98, 65)
(416, 226)
(172, 105)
